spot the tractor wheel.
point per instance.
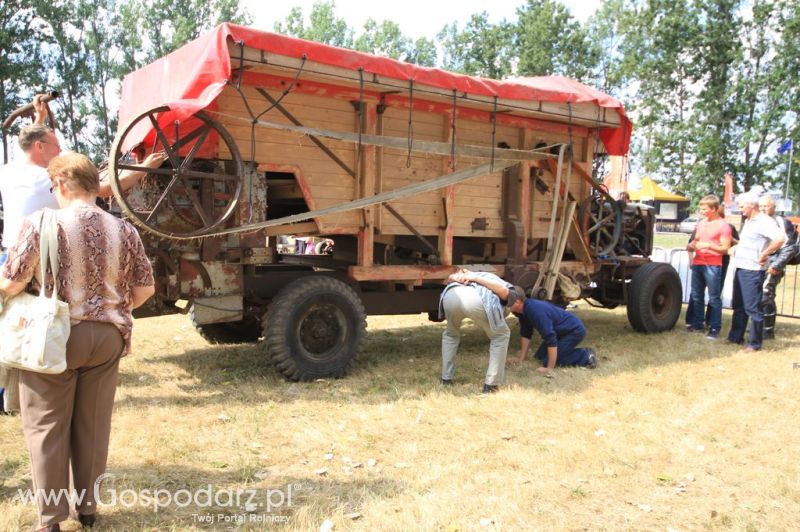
(314, 328)
(654, 298)
(232, 332)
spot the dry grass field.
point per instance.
(671, 432)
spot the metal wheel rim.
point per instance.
(595, 227)
(321, 331)
(116, 162)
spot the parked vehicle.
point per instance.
(688, 225)
(409, 172)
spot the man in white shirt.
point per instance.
(25, 184)
(759, 238)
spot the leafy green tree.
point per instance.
(715, 88)
(766, 91)
(481, 48)
(611, 73)
(661, 52)
(324, 26)
(103, 69)
(21, 73)
(117, 37)
(153, 28)
(384, 39)
(606, 31)
(387, 40)
(423, 53)
(719, 49)
(67, 59)
(550, 41)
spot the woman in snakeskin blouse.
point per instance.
(103, 275)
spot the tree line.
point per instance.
(83, 48)
(712, 85)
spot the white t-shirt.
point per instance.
(25, 188)
(754, 238)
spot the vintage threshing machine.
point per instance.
(410, 172)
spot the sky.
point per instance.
(416, 18)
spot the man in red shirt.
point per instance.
(712, 240)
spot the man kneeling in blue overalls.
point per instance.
(561, 332)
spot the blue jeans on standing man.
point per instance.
(707, 277)
(747, 304)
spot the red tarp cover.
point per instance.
(191, 77)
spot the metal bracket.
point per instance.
(479, 224)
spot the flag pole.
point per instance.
(789, 171)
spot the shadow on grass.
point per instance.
(175, 497)
(406, 363)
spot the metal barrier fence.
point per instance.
(787, 294)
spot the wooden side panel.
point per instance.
(324, 183)
(476, 205)
(425, 211)
(478, 199)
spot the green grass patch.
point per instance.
(671, 240)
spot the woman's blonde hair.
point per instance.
(76, 171)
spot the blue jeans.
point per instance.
(568, 354)
(690, 312)
(706, 277)
(747, 304)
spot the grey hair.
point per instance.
(33, 133)
(766, 199)
(748, 197)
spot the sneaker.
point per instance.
(447, 382)
(712, 335)
(592, 358)
(691, 329)
(490, 388)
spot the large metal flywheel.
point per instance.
(601, 222)
(195, 190)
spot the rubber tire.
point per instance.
(312, 303)
(232, 332)
(654, 298)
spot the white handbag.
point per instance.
(34, 329)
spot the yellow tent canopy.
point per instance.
(651, 191)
